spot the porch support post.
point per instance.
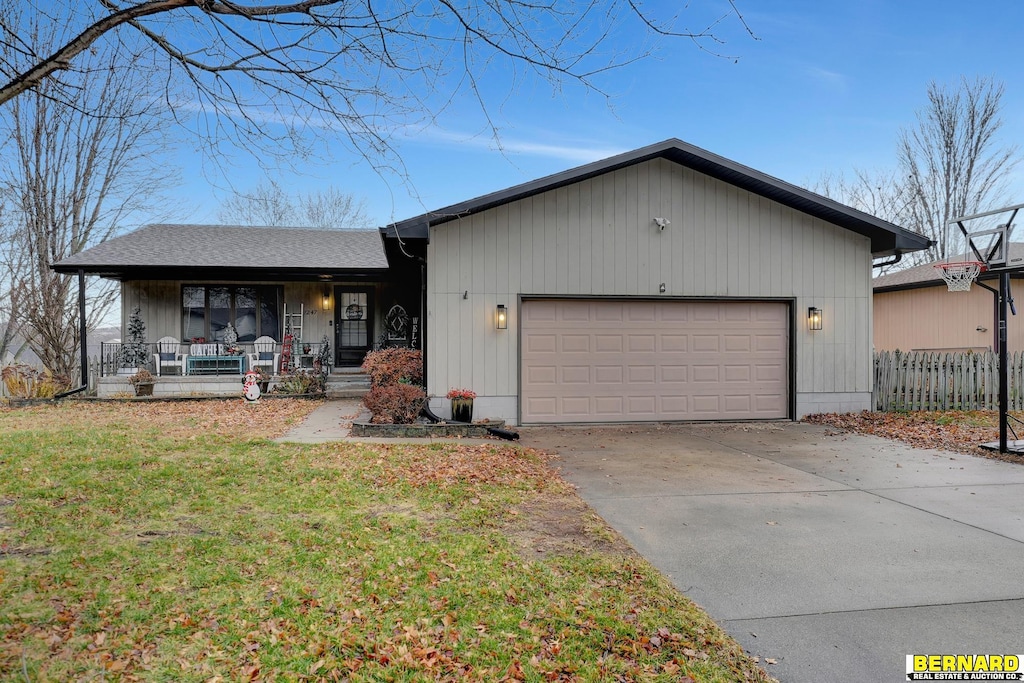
(84, 355)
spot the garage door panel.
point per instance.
(674, 343)
(608, 343)
(573, 311)
(640, 343)
(579, 405)
(541, 343)
(576, 374)
(608, 374)
(737, 373)
(609, 406)
(602, 361)
(736, 343)
(643, 374)
(674, 373)
(705, 373)
(575, 343)
(707, 404)
(542, 374)
(705, 342)
(613, 312)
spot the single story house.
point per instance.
(666, 283)
(914, 311)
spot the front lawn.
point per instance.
(174, 541)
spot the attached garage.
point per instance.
(623, 360)
(667, 283)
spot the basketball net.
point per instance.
(960, 275)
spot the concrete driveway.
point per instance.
(834, 554)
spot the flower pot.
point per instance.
(264, 386)
(144, 389)
(462, 409)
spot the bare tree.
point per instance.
(269, 204)
(881, 193)
(71, 175)
(263, 75)
(950, 164)
(952, 161)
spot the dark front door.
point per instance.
(353, 333)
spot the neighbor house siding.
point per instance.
(933, 318)
(597, 238)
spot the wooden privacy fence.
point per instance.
(944, 381)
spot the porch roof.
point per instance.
(164, 250)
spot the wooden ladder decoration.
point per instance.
(286, 353)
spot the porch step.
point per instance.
(347, 384)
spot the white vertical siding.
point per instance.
(597, 238)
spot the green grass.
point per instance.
(177, 543)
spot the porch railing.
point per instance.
(303, 357)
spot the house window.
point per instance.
(254, 311)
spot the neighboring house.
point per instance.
(914, 311)
(666, 283)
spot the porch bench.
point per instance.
(216, 365)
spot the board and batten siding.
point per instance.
(160, 306)
(597, 238)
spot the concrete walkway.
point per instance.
(330, 422)
(333, 422)
(835, 555)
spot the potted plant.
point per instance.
(143, 382)
(462, 404)
(134, 352)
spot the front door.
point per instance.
(353, 333)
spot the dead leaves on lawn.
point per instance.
(173, 419)
(451, 464)
(957, 431)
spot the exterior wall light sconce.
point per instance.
(661, 288)
(501, 317)
(662, 223)
(327, 299)
(813, 318)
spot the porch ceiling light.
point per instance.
(813, 318)
(501, 317)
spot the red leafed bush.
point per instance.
(395, 403)
(394, 365)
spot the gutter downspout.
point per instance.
(896, 259)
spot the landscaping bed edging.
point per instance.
(420, 430)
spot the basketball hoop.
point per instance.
(960, 275)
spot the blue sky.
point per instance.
(825, 88)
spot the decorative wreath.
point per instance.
(396, 322)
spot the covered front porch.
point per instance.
(303, 300)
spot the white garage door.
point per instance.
(633, 361)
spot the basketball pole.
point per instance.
(1004, 390)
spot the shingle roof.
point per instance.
(926, 273)
(886, 238)
(216, 246)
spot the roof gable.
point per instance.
(886, 238)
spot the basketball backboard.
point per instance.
(988, 236)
